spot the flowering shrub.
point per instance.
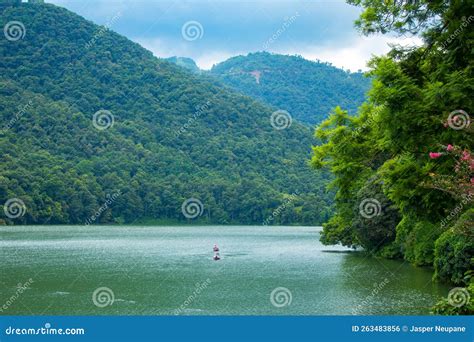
(461, 183)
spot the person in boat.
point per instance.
(216, 252)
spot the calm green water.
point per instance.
(159, 270)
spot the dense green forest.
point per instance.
(98, 130)
(307, 90)
(404, 167)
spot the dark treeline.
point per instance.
(175, 135)
(307, 90)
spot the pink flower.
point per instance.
(434, 155)
(450, 147)
(466, 155)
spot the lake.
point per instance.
(143, 270)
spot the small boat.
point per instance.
(216, 253)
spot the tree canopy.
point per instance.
(409, 150)
(98, 130)
(307, 90)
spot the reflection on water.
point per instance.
(157, 270)
(388, 286)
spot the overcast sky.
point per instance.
(212, 31)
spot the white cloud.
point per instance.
(353, 56)
(207, 61)
(164, 48)
(158, 46)
(356, 55)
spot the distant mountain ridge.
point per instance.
(98, 130)
(184, 62)
(308, 93)
(307, 90)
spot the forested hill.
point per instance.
(307, 90)
(96, 129)
(184, 62)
